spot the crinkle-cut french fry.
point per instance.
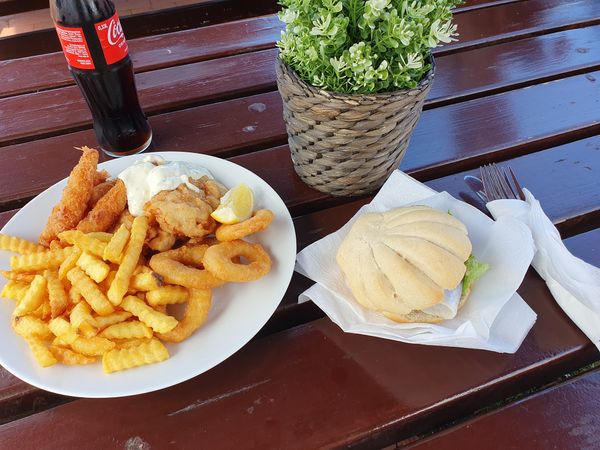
(105, 284)
(63, 330)
(18, 276)
(101, 235)
(90, 291)
(33, 298)
(27, 326)
(51, 259)
(74, 295)
(101, 322)
(14, 289)
(41, 353)
(159, 322)
(167, 295)
(115, 246)
(96, 269)
(127, 330)
(146, 281)
(44, 311)
(126, 358)
(18, 245)
(120, 284)
(69, 357)
(69, 262)
(81, 319)
(92, 346)
(58, 342)
(83, 241)
(56, 292)
(128, 343)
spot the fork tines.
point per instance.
(497, 184)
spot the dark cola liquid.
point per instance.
(109, 87)
(120, 125)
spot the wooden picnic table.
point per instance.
(522, 85)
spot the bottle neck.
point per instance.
(77, 12)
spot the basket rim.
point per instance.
(425, 81)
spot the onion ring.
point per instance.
(184, 266)
(258, 222)
(196, 312)
(218, 259)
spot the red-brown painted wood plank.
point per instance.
(170, 19)
(485, 71)
(564, 416)
(152, 52)
(6, 216)
(521, 114)
(469, 134)
(148, 53)
(521, 19)
(17, 6)
(446, 140)
(459, 77)
(213, 129)
(59, 110)
(564, 179)
(478, 4)
(570, 168)
(314, 386)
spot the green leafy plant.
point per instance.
(358, 46)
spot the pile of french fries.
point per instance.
(91, 295)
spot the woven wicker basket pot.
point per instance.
(347, 144)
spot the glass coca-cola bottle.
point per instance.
(96, 50)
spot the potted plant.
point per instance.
(353, 76)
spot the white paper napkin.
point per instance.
(574, 283)
(494, 317)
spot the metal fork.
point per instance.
(497, 184)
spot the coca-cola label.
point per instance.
(75, 47)
(112, 39)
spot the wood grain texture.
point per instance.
(203, 13)
(446, 140)
(152, 52)
(149, 53)
(480, 72)
(484, 71)
(18, 6)
(64, 109)
(521, 19)
(315, 386)
(565, 416)
(316, 225)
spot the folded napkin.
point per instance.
(574, 283)
(494, 317)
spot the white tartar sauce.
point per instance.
(153, 174)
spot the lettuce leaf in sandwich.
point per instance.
(475, 270)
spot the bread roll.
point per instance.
(400, 262)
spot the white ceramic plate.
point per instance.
(239, 309)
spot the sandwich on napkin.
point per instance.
(408, 261)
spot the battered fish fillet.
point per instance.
(106, 211)
(185, 213)
(100, 191)
(72, 206)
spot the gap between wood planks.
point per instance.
(573, 376)
(426, 166)
(265, 38)
(48, 400)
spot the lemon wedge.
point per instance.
(236, 205)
